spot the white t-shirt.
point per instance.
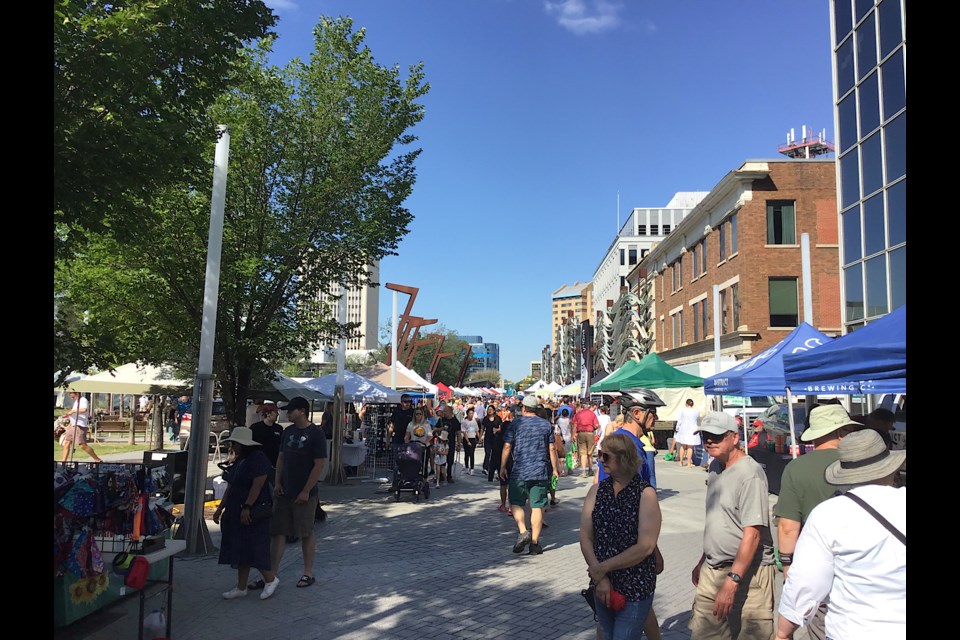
(425, 437)
(564, 425)
(470, 428)
(83, 419)
(844, 552)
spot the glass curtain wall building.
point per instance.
(870, 80)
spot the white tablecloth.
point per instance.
(353, 454)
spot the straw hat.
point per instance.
(242, 435)
(863, 457)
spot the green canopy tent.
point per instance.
(653, 373)
(611, 382)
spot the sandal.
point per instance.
(305, 581)
(259, 584)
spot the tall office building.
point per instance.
(574, 300)
(870, 79)
(484, 356)
(643, 229)
(363, 306)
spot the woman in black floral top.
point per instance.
(619, 527)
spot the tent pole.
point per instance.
(743, 418)
(794, 445)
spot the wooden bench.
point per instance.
(121, 427)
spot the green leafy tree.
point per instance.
(319, 168)
(133, 82)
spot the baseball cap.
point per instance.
(530, 401)
(717, 423)
(298, 402)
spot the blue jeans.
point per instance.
(626, 624)
(648, 460)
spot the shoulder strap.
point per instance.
(886, 523)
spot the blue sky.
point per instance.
(541, 111)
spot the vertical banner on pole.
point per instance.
(586, 359)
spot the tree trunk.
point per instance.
(235, 386)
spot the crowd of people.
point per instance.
(844, 564)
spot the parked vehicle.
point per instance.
(777, 423)
(748, 408)
(218, 423)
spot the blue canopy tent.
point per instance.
(872, 359)
(762, 375)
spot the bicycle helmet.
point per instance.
(643, 398)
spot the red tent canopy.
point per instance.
(444, 390)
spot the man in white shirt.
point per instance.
(851, 555)
(76, 433)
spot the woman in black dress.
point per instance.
(246, 533)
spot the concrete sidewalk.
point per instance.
(440, 569)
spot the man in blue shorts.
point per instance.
(530, 439)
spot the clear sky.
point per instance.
(540, 112)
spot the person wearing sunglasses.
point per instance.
(419, 430)
(735, 575)
(638, 407)
(397, 427)
(619, 527)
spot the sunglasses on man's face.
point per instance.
(712, 437)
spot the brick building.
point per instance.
(745, 236)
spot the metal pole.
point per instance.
(196, 534)
(394, 329)
(794, 445)
(807, 285)
(716, 335)
(335, 476)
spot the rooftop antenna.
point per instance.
(809, 146)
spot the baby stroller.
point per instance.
(410, 466)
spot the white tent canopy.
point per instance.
(536, 386)
(553, 386)
(133, 379)
(356, 388)
(290, 388)
(572, 389)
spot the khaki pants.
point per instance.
(752, 617)
(585, 446)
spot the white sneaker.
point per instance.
(235, 593)
(269, 588)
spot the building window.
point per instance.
(723, 241)
(781, 222)
(661, 339)
(703, 257)
(666, 229)
(680, 322)
(696, 321)
(724, 328)
(673, 328)
(705, 318)
(622, 257)
(654, 230)
(695, 263)
(680, 272)
(733, 234)
(735, 304)
(632, 256)
(623, 282)
(784, 304)
(641, 229)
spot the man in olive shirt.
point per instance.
(803, 486)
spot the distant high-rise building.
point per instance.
(535, 369)
(363, 306)
(484, 356)
(643, 229)
(869, 42)
(575, 301)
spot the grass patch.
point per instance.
(103, 448)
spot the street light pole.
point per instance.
(194, 526)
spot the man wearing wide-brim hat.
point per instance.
(803, 486)
(853, 548)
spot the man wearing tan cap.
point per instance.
(803, 486)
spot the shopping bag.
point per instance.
(569, 461)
